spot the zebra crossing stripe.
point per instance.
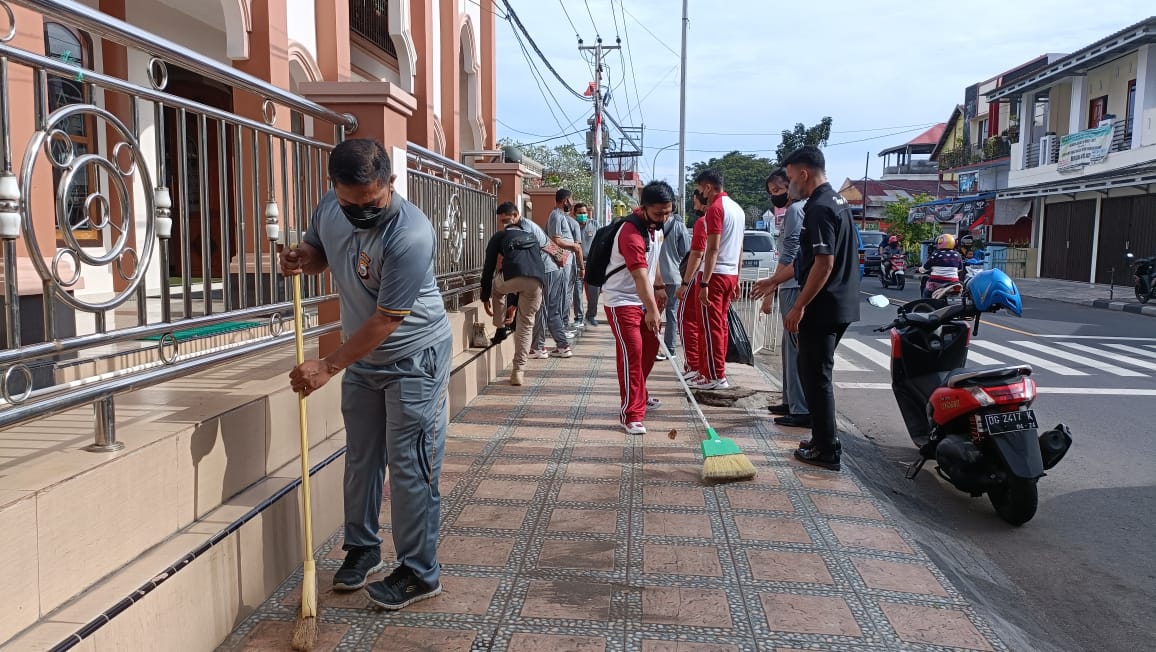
(972, 356)
(868, 352)
(1019, 356)
(843, 364)
(1079, 359)
(1134, 350)
(1143, 364)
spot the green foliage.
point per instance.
(564, 166)
(745, 177)
(910, 234)
(801, 135)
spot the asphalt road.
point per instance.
(1082, 574)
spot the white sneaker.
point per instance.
(660, 357)
(635, 428)
(563, 353)
(690, 376)
(542, 354)
(706, 383)
(652, 403)
(571, 334)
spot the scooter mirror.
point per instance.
(879, 301)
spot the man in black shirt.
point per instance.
(828, 271)
(514, 266)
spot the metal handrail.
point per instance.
(86, 395)
(118, 31)
(433, 159)
(43, 349)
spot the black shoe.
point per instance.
(794, 421)
(500, 335)
(359, 564)
(781, 409)
(806, 443)
(815, 457)
(400, 589)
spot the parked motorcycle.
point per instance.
(894, 272)
(1144, 272)
(976, 423)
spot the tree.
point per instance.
(801, 135)
(910, 233)
(745, 178)
(563, 166)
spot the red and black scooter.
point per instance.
(976, 423)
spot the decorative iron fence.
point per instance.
(168, 216)
(460, 202)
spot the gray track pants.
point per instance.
(792, 386)
(550, 317)
(396, 417)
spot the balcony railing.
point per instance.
(370, 19)
(914, 167)
(993, 149)
(1121, 142)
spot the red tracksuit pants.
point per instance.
(715, 331)
(690, 327)
(635, 347)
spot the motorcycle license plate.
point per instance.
(1005, 422)
(751, 262)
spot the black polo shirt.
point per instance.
(828, 230)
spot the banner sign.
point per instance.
(1084, 148)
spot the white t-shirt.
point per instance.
(726, 219)
(630, 254)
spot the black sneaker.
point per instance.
(806, 443)
(400, 589)
(359, 564)
(500, 335)
(779, 410)
(815, 457)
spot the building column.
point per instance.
(333, 40)
(451, 73)
(1145, 96)
(1096, 237)
(511, 179)
(488, 73)
(382, 110)
(421, 122)
(1027, 123)
(1078, 116)
(114, 62)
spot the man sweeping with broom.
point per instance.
(396, 354)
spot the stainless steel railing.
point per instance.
(168, 214)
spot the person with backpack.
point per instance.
(514, 266)
(634, 296)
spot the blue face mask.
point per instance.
(581, 217)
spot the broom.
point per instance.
(723, 460)
(305, 632)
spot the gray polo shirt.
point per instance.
(788, 244)
(399, 251)
(675, 245)
(588, 231)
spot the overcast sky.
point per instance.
(883, 70)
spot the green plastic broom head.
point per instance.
(716, 446)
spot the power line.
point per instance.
(643, 26)
(514, 19)
(493, 9)
(828, 145)
(569, 20)
(541, 89)
(591, 14)
(630, 56)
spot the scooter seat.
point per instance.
(989, 372)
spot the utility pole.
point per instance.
(866, 170)
(682, 118)
(597, 142)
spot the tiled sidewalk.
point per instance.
(561, 534)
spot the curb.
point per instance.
(1123, 306)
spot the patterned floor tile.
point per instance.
(561, 533)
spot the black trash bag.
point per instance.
(739, 344)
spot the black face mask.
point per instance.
(779, 201)
(363, 217)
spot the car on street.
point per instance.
(872, 240)
(759, 255)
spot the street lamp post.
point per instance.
(654, 163)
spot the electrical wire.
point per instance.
(513, 16)
(541, 89)
(827, 146)
(630, 57)
(778, 133)
(493, 9)
(592, 23)
(569, 20)
(643, 26)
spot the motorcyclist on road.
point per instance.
(943, 265)
(889, 249)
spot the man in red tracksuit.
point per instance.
(634, 301)
(689, 310)
(719, 282)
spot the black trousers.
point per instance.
(816, 360)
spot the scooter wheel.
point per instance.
(900, 282)
(1016, 501)
(1142, 295)
(883, 281)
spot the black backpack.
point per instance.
(602, 246)
(517, 240)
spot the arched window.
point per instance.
(75, 48)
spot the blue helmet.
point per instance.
(991, 288)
